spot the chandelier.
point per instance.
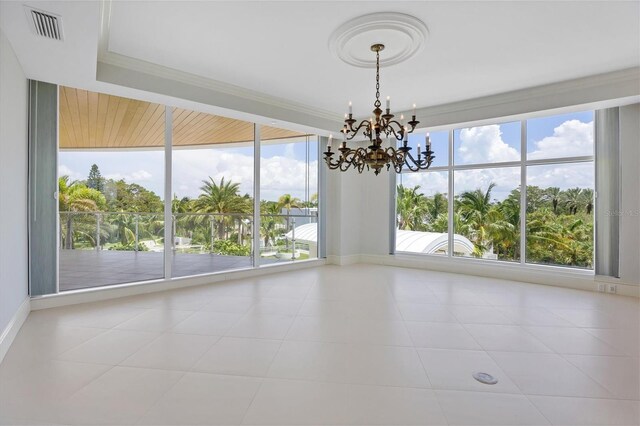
(375, 156)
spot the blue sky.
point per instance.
(550, 137)
(283, 168)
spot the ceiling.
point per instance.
(280, 49)
(90, 120)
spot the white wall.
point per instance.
(13, 185)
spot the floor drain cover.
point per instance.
(485, 378)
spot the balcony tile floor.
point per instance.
(90, 268)
(331, 345)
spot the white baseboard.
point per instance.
(11, 330)
(131, 289)
(344, 260)
(546, 275)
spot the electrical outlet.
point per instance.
(612, 288)
(602, 288)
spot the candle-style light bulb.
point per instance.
(402, 120)
(388, 103)
(405, 135)
(428, 142)
(414, 111)
(418, 151)
(350, 108)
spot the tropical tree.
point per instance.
(76, 197)
(572, 199)
(221, 198)
(554, 196)
(586, 198)
(270, 221)
(286, 201)
(486, 222)
(411, 207)
(95, 179)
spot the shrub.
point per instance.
(230, 248)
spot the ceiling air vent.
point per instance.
(45, 24)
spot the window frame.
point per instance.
(523, 163)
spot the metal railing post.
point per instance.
(173, 233)
(136, 222)
(97, 231)
(293, 239)
(212, 220)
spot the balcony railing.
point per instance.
(192, 233)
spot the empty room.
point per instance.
(319, 212)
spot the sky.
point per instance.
(550, 137)
(284, 165)
(284, 168)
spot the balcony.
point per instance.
(107, 248)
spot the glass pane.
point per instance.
(495, 143)
(560, 200)
(439, 145)
(111, 188)
(567, 135)
(212, 201)
(289, 196)
(487, 212)
(422, 213)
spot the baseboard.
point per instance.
(131, 289)
(11, 330)
(344, 260)
(547, 275)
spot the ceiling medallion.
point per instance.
(375, 156)
(404, 34)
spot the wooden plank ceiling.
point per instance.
(90, 120)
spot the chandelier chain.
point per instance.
(377, 102)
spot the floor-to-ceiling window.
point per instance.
(519, 191)
(422, 204)
(289, 196)
(212, 193)
(128, 167)
(110, 189)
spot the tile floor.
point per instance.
(359, 344)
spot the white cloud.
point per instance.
(430, 182)
(134, 177)
(279, 175)
(563, 176)
(64, 170)
(484, 144)
(570, 139)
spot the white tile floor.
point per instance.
(331, 345)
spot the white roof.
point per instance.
(430, 242)
(307, 233)
(409, 241)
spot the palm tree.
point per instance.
(437, 205)
(554, 195)
(572, 199)
(412, 208)
(486, 221)
(286, 201)
(222, 198)
(76, 197)
(586, 197)
(269, 221)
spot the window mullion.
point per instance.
(523, 191)
(450, 228)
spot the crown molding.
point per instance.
(105, 56)
(600, 90)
